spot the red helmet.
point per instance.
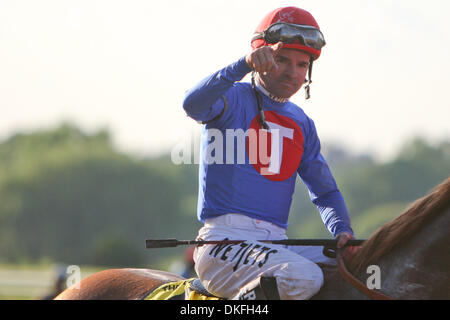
(292, 15)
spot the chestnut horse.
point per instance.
(412, 252)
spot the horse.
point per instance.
(411, 252)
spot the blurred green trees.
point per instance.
(70, 196)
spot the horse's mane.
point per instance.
(402, 227)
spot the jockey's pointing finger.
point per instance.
(271, 63)
(270, 56)
(260, 62)
(263, 59)
(267, 61)
(276, 48)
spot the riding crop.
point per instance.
(171, 242)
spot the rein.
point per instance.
(357, 284)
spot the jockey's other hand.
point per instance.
(262, 60)
(342, 239)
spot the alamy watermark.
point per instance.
(233, 145)
(374, 280)
(73, 273)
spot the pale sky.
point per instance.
(382, 78)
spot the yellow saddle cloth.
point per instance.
(179, 290)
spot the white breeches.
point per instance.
(225, 269)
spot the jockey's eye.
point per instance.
(281, 59)
(303, 64)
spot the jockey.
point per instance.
(254, 143)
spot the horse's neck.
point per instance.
(419, 267)
(335, 287)
(416, 269)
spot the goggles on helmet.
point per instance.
(289, 33)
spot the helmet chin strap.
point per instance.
(262, 118)
(307, 87)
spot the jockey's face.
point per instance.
(290, 75)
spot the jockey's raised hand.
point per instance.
(263, 59)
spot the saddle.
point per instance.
(193, 289)
(189, 289)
